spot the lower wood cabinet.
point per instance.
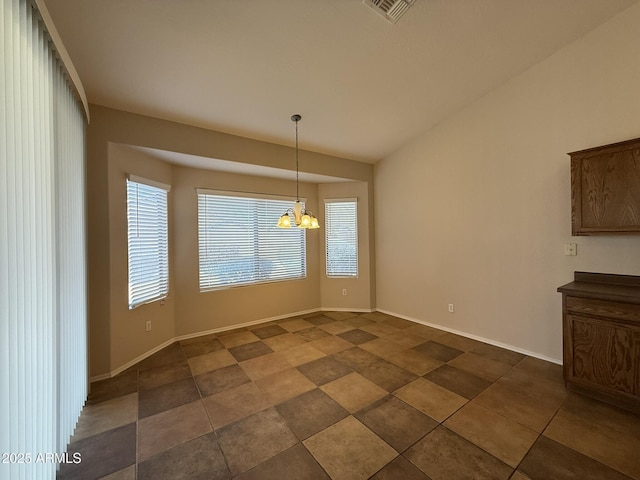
(601, 337)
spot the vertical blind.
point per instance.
(148, 241)
(43, 334)
(240, 244)
(341, 230)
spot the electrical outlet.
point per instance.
(344, 291)
(451, 308)
(147, 326)
(571, 249)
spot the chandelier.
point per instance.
(302, 218)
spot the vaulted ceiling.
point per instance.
(363, 86)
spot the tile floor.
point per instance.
(347, 396)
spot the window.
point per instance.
(239, 243)
(147, 231)
(341, 218)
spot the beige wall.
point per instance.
(476, 211)
(117, 334)
(198, 312)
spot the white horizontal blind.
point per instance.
(341, 218)
(43, 334)
(148, 242)
(240, 244)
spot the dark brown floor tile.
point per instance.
(250, 350)
(311, 412)
(158, 376)
(167, 356)
(197, 459)
(600, 431)
(166, 397)
(324, 370)
(458, 381)
(551, 460)
(220, 380)
(357, 336)
(294, 463)
(122, 384)
(438, 351)
(201, 345)
(444, 455)
(387, 375)
(252, 440)
(313, 333)
(319, 319)
(356, 358)
(398, 424)
(269, 331)
(541, 368)
(101, 454)
(548, 392)
(400, 469)
(498, 354)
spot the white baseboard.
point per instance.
(122, 368)
(341, 309)
(476, 337)
(168, 342)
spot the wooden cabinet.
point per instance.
(601, 337)
(605, 190)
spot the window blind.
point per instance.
(148, 241)
(341, 218)
(43, 319)
(239, 243)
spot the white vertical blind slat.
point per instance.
(43, 374)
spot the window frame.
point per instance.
(330, 236)
(161, 259)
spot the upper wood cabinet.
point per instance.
(605, 190)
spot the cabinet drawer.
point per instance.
(627, 312)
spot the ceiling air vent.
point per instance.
(391, 10)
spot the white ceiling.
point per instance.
(364, 87)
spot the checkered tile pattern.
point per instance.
(347, 396)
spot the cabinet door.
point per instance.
(603, 355)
